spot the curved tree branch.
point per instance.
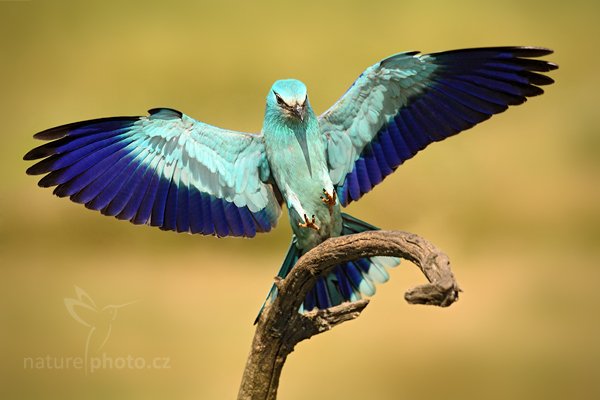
(281, 327)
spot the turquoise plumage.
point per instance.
(171, 171)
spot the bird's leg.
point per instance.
(309, 223)
(329, 199)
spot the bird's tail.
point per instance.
(290, 260)
(349, 281)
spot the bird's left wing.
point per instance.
(402, 104)
(165, 169)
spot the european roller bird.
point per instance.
(168, 170)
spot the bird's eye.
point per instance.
(279, 99)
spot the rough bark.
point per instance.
(281, 327)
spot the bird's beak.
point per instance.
(299, 111)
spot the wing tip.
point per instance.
(392, 58)
(520, 51)
(61, 131)
(53, 133)
(33, 170)
(551, 66)
(530, 51)
(536, 51)
(164, 113)
(33, 154)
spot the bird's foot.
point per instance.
(309, 223)
(329, 199)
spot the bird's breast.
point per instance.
(299, 167)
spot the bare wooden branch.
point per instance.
(281, 326)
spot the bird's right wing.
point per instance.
(165, 169)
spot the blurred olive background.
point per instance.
(514, 202)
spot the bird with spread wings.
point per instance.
(168, 170)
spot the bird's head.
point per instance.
(288, 97)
